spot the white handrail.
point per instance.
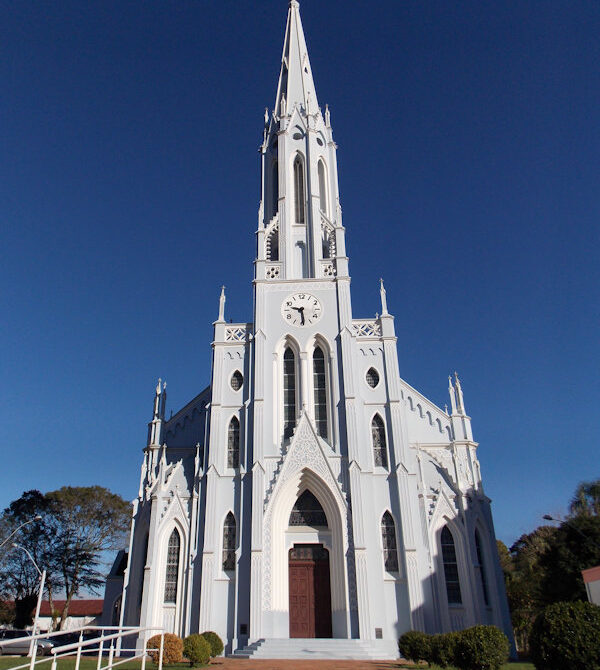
(91, 645)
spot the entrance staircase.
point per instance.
(320, 648)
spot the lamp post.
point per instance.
(42, 575)
(37, 517)
(549, 517)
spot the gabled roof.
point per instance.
(91, 607)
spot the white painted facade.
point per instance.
(351, 432)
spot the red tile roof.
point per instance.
(91, 607)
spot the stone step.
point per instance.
(320, 648)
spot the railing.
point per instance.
(104, 644)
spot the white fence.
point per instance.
(107, 645)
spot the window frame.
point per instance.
(233, 419)
(385, 446)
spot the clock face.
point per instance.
(301, 309)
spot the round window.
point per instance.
(237, 380)
(372, 377)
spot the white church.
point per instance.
(309, 491)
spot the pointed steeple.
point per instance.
(296, 85)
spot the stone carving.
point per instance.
(304, 453)
(366, 328)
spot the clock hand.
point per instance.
(302, 315)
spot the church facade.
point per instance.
(309, 491)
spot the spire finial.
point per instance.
(222, 305)
(327, 116)
(384, 309)
(459, 394)
(452, 395)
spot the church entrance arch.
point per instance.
(310, 591)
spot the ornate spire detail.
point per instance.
(384, 309)
(459, 395)
(222, 305)
(452, 395)
(296, 85)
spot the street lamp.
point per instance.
(549, 517)
(37, 517)
(42, 575)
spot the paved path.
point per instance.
(279, 664)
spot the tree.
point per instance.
(78, 524)
(87, 521)
(586, 500)
(19, 579)
(575, 547)
(523, 577)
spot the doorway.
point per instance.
(310, 591)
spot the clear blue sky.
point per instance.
(469, 162)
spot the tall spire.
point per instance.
(296, 85)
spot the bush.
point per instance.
(481, 648)
(415, 646)
(172, 649)
(566, 635)
(443, 649)
(197, 650)
(215, 642)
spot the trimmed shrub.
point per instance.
(215, 642)
(172, 649)
(566, 635)
(197, 650)
(443, 649)
(415, 646)
(481, 648)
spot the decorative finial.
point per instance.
(222, 305)
(294, 3)
(327, 116)
(282, 105)
(460, 403)
(452, 394)
(266, 116)
(384, 309)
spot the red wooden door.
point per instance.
(302, 618)
(310, 592)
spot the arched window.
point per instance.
(379, 445)
(275, 187)
(233, 443)
(289, 393)
(237, 380)
(172, 569)
(322, 188)
(484, 586)
(320, 392)
(229, 533)
(299, 189)
(307, 511)
(388, 539)
(450, 568)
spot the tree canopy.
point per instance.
(544, 567)
(77, 525)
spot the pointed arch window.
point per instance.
(172, 568)
(233, 443)
(299, 190)
(322, 187)
(482, 574)
(229, 539)
(320, 392)
(289, 393)
(308, 511)
(388, 539)
(450, 568)
(379, 444)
